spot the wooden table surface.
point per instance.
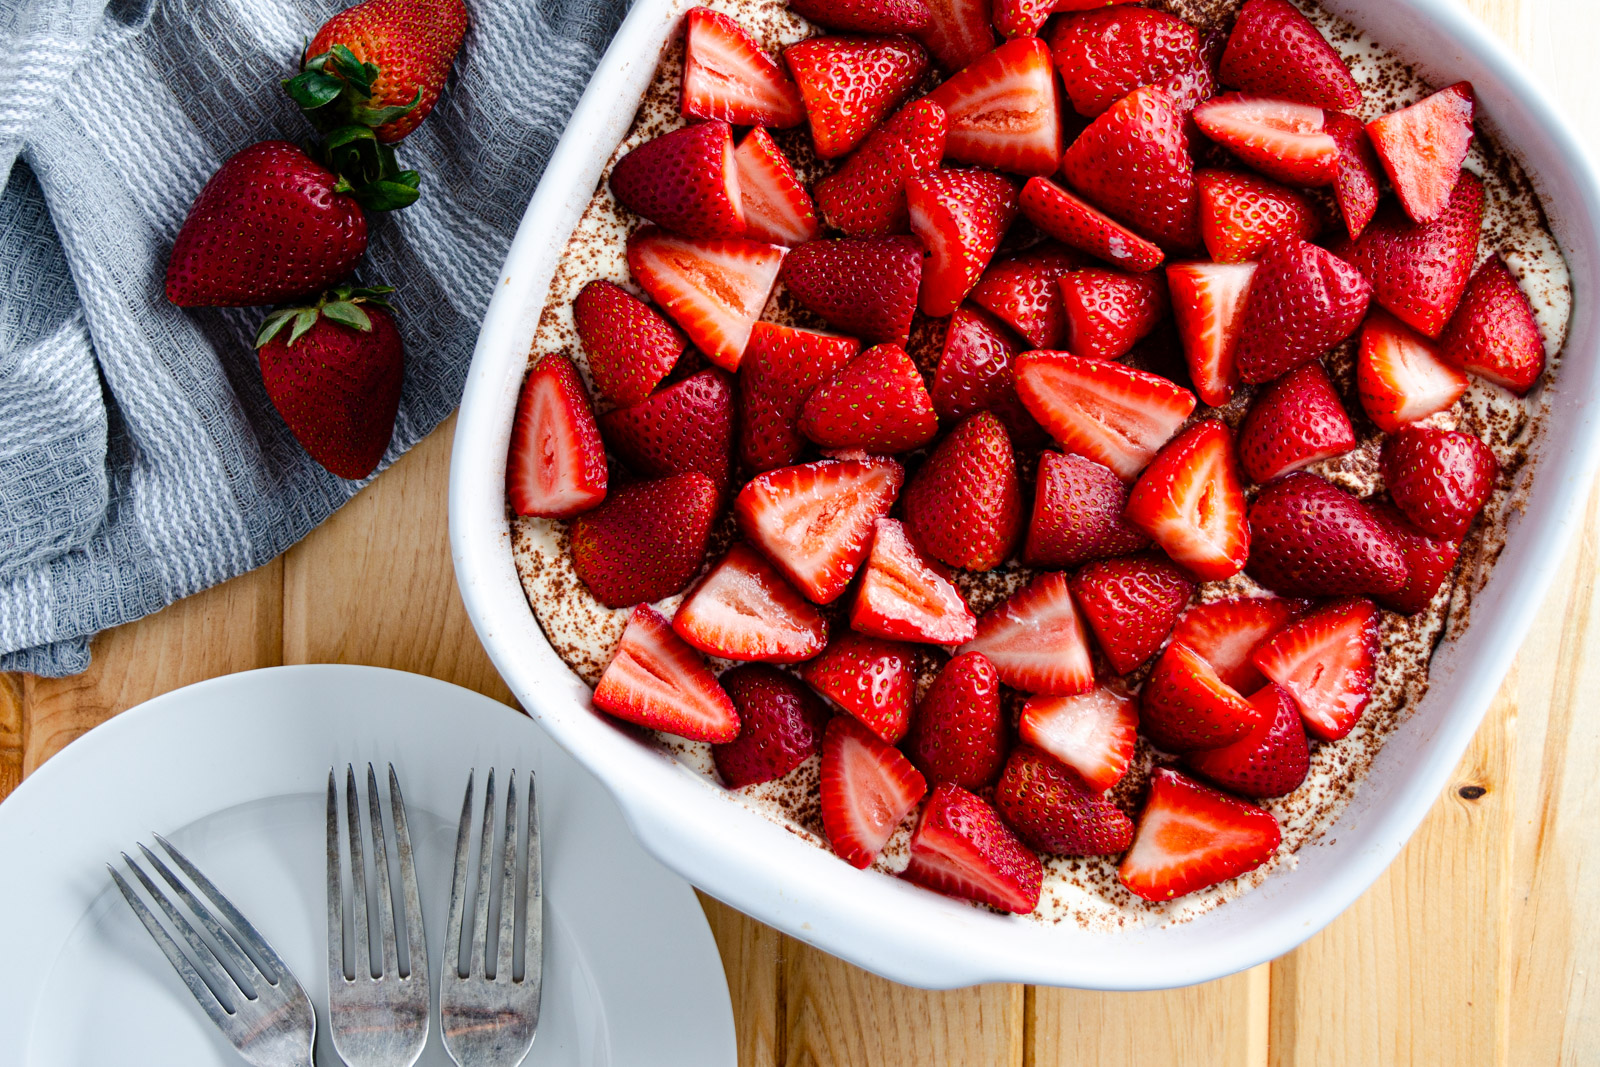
(1476, 947)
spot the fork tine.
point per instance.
(337, 971)
(241, 961)
(361, 947)
(222, 984)
(458, 883)
(508, 884)
(245, 933)
(207, 998)
(380, 869)
(533, 935)
(411, 900)
(480, 923)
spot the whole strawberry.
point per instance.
(1308, 537)
(333, 371)
(964, 506)
(1439, 478)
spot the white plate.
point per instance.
(234, 771)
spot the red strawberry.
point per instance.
(904, 596)
(1208, 305)
(866, 197)
(271, 226)
(1399, 374)
(816, 521)
(1225, 632)
(1493, 333)
(658, 682)
(1191, 503)
(868, 677)
(688, 426)
(745, 610)
(877, 403)
(1303, 301)
(1024, 291)
(647, 540)
(727, 76)
(1184, 704)
(335, 376)
(1131, 603)
(1025, 18)
(1077, 514)
(1094, 733)
(1423, 146)
(866, 16)
(962, 849)
(1439, 479)
(1308, 537)
(850, 84)
(964, 505)
(959, 31)
(784, 365)
(777, 209)
(557, 464)
(1054, 811)
(1326, 662)
(1269, 761)
(960, 216)
(780, 725)
(1240, 214)
(1276, 51)
(1035, 639)
(1286, 142)
(1074, 223)
(686, 180)
(866, 287)
(1420, 271)
(1429, 561)
(1108, 312)
(975, 374)
(1190, 837)
(1112, 414)
(957, 734)
(631, 348)
(1133, 163)
(1293, 423)
(1002, 110)
(1355, 181)
(1104, 55)
(714, 289)
(867, 787)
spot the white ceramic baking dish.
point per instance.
(882, 923)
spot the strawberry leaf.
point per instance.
(273, 324)
(390, 194)
(312, 89)
(304, 319)
(348, 314)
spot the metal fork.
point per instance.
(250, 995)
(378, 1017)
(488, 1015)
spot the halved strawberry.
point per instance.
(647, 540)
(557, 463)
(975, 374)
(686, 180)
(1294, 422)
(656, 681)
(1108, 312)
(727, 76)
(1287, 142)
(1112, 414)
(904, 596)
(1191, 503)
(1025, 18)
(1133, 163)
(1400, 376)
(1054, 811)
(961, 848)
(782, 368)
(1074, 223)
(870, 678)
(863, 286)
(1094, 733)
(688, 426)
(745, 610)
(1024, 291)
(1104, 55)
(1429, 561)
(1355, 181)
(1303, 301)
(1308, 537)
(1326, 661)
(867, 787)
(1208, 304)
(1493, 333)
(877, 402)
(1274, 50)
(1240, 214)
(1270, 760)
(1225, 632)
(964, 505)
(1184, 704)
(957, 734)
(866, 197)
(1077, 514)
(1440, 479)
(1423, 146)
(1002, 110)
(780, 725)
(959, 31)
(960, 216)
(1131, 603)
(850, 84)
(1190, 837)
(714, 289)
(777, 209)
(630, 347)
(866, 16)
(1036, 640)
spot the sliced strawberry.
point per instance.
(866, 16)
(1326, 662)
(1191, 503)
(1094, 733)
(1190, 837)
(961, 848)
(1269, 761)
(870, 678)
(647, 540)
(1287, 142)
(1400, 376)
(1208, 305)
(630, 347)
(1025, 18)
(1036, 640)
(1104, 55)
(744, 610)
(850, 84)
(975, 374)
(863, 286)
(1274, 50)
(714, 289)
(1074, 223)
(1240, 214)
(1439, 479)
(1184, 704)
(688, 426)
(1293, 423)
(957, 734)
(686, 180)
(1002, 110)
(656, 681)
(1077, 514)
(877, 403)
(1225, 632)
(727, 76)
(960, 216)
(866, 197)
(1308, 537)
(557, 463)
(904, 596)
(1493, 333)
(1355, 182)
(1303, 301)
(1131, 603)
(1053, 810)
(867, 787)
(959, 31)
(1108, 312)
(777, 208)
(1429, 562)
(1112, 414)
(780, 725)
(1423, 146)
(1133, 163)
(782, 368)
(964, 505)
(1024, 291)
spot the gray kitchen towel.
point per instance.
(140, 460)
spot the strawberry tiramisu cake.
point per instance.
(1033, 450)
